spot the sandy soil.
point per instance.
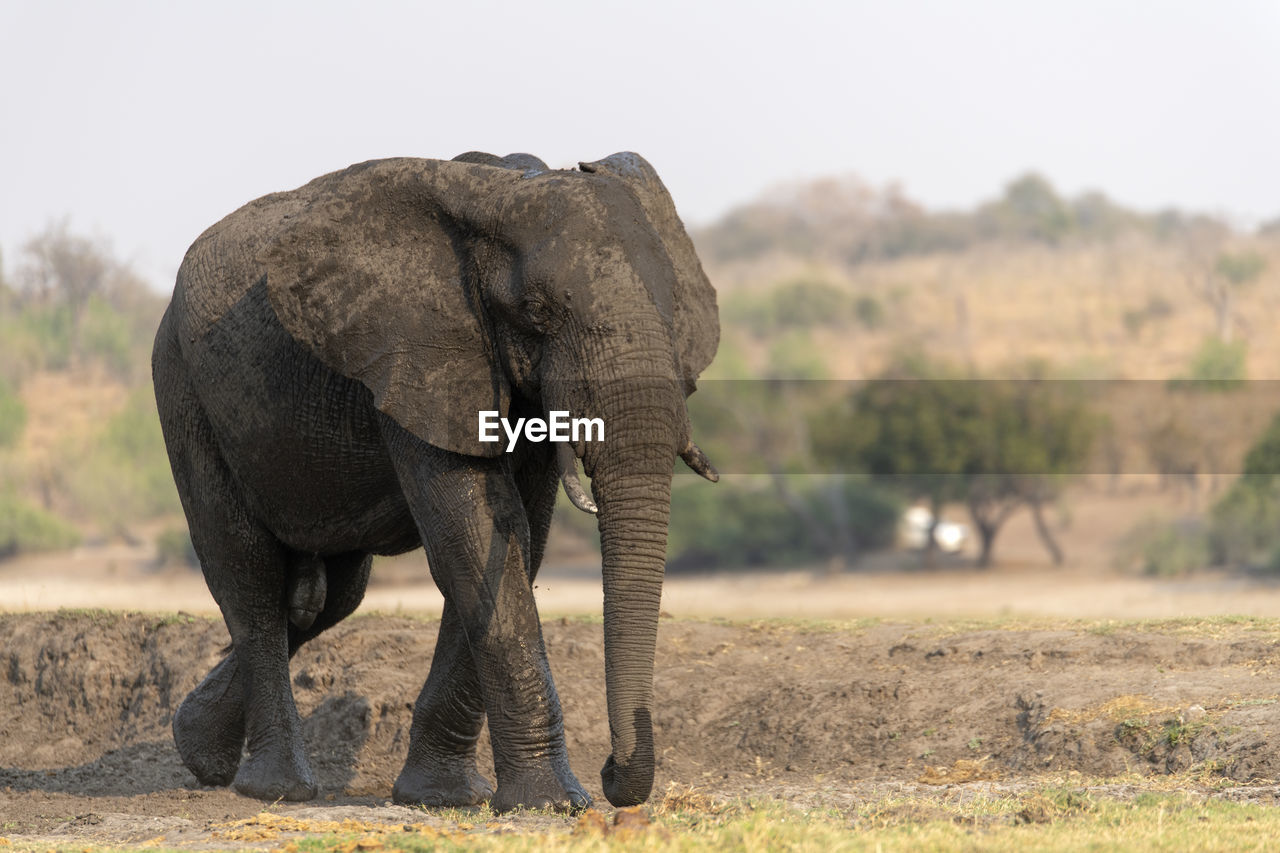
(118, 577)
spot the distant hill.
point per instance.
(833, 277)
(847, 222)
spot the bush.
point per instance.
(804, 303)
(869, 311)
(26, 528)
(36, 338)
(736, 524)
(174, 548)
(1244, 524)
(107, 339)
(13, 415)
(1217, 365)
(124, 476)
(1177, 550)
(1165, 549)
(794, 356)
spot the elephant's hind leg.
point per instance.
(209, 725)
(246, 568)
(252, 598)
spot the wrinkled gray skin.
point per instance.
(319, 373)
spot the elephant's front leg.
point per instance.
(449, 714)
(447, 719)
(474, 527)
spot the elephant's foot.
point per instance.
(542, 788)
(275, 774)
(443, 784)
(208, 730)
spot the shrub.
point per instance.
(1244, 524)
(869, 311)
(124, 476)
(1166, 549)
(1217, 365)
(106, 338)
(748, 524)
(25, 528)
(13, 415)
(794, 356)
(803, 303)
(1175, 551)
(174, 548)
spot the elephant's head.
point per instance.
(448, 288)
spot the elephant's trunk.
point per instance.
(631, 482)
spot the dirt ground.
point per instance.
(816, 716)
(948, 680)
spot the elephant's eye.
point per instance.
(536, 312)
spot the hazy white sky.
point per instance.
(146, 122)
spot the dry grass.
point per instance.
(995, 306)
(1117, 710)
(964, 770)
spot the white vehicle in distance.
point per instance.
(949, 535)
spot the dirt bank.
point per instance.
(767, 709)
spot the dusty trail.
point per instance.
(805, 714)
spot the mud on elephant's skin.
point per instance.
(319, 373)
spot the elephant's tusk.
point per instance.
(698, 461)
(568, 461)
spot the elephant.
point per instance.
(318, 373)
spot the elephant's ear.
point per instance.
(374, 277)
(696, 318)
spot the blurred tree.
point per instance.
(1030, 209)
(67, 270)
(908, 428)
(996, 445)
(1244, 525)
(76, 305)
(1097, 217)
(1032, 435)
(1175, 453)
(1218, 282)
(1218, 365)
(1240, 268)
